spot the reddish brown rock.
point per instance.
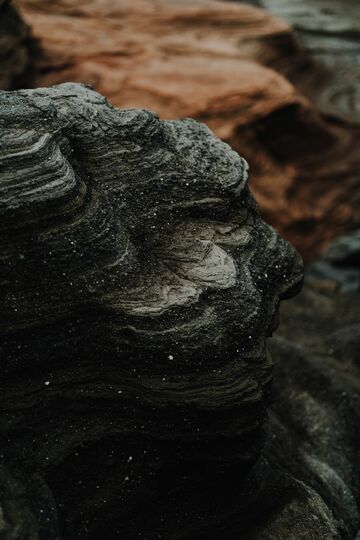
(225, 64)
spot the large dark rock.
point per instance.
(139, 285)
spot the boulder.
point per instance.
(139, 286)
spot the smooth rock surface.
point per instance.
(228, 65)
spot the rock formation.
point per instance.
(315, 416)
(16, 47)
(139, 285)
(228, 65)
(329, 31)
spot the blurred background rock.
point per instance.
(286, 100)
(16, 48)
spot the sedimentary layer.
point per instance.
(139, 285)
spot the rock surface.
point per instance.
(316, 387)
(339, 266)
(227, 65)
(316, 412)
(140, 285)
(330, 33)
(16, 48)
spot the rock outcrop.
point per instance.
(331, 36)
(139, 286)
(16, 48)
(228, 65)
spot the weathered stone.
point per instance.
(228, 65)
(139, 285)
(316, 411)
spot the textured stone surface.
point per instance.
(140, 285)
(16, 47)
(226, 64)
(315, 415)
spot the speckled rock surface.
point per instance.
(17, 48)
(230, 66)
(139, 286)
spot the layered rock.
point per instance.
(139, 285)
(226, 64)
(16, 47)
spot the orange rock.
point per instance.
(224, 64)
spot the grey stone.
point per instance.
(139, 286)
(329, 32)
(339, 264)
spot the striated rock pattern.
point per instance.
(138, 286)
(16, 47)
(228, 65)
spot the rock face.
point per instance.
(139, 285)
(228, 65)
(330, 33)
(16, 47)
